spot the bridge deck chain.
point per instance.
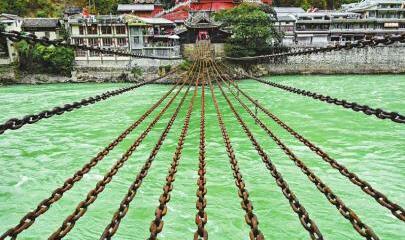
(378, 112)
(246, 204)
(121, 212)
(156, 225)
(366, 187)
(57, 194)
(363, 229)
(201, 217)
(203, 58)
(296, 206)
(32, 39)
(92, 195)
(374, 41)
(17, 123)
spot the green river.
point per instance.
(37, 159)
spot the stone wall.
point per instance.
(379, 59)
(83, 74)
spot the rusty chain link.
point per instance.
(156, 225)
(45, 204)
(374, 41)
(296, 206)
(345, 211)
(379, 113)
(32, 39)
(17, 123)
(92, 195)
(246, 204)
(121, 212)
(381, 198)
(201, 217)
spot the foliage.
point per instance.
(136, 71)
(321, 4)
(253, 30)
(168, 68)
(43, 59)
(32, 8)
(185, 65)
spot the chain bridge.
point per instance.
(214, 79)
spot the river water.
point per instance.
(38, 158)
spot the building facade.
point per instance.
(42, 27)
(153, 37)
(141, 8)
(353, 22)
(8, 54)
(99, 31)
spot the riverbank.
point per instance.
(370, 60)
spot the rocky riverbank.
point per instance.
(9, 76)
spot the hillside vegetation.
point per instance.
(54, 8)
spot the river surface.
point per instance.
(38, 158)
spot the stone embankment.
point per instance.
(80, 75)
(369, 60)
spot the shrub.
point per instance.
(45, 59)
(185, 65)
(137, 71)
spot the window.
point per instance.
(94, 54)
(47, 35)
(121, 42)
(92, 29)
(149, 52)
(137, 51)
(120, 30)
(81, 30)
(136, 40)
(107, 42)
(106, 30)
(80, 53)
(93, 42)
(79, 41)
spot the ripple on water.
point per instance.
(37, 158)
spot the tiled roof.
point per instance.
(135, 7)
(288, 10)
(144, 1)
(156, 21)
(40, 23)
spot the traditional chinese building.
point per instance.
(141, 8)
(199, 26)
(42, 27)
(184, 8)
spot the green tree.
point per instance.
(253, 30)
(44, 59)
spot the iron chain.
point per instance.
(32, 39)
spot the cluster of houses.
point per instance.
(144, 27)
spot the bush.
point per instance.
(137, 71)
(185, 65)
(168, 68)
(43, 59)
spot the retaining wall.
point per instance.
(379, 59)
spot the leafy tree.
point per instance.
(43, 59)
(253, 30)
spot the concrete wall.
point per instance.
(379, 59)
